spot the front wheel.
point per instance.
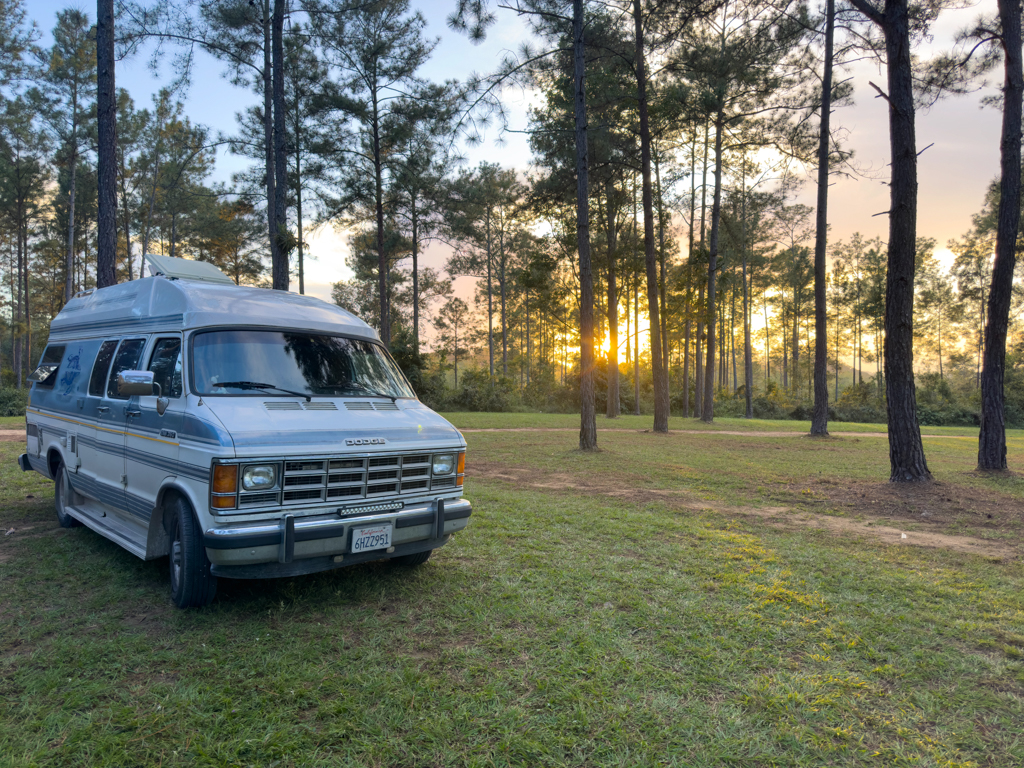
(416, 558)
(192, 584)
(61, 493)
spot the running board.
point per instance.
(108, 528)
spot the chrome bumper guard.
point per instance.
(289, 529)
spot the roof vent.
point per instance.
(185, 269)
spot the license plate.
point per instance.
(373, 537)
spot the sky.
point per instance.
(955, 170)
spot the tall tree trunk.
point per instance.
(748, 352)
(992, 438)
(588, 419)
(269, 154)
(501, 284)
(281, 274)
(662, 279)
(707, 412)
(106, 109)
(490, 299)
(16, 295)
(612, 410)
(378, 203)
(415, 275)
(69, 288)
(299, 243)
(906, 452)
(819, 418)
(661, 397)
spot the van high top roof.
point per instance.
(169, 304)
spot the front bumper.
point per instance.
(295, 546)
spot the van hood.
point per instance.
(273, 426)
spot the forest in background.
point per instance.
(370, 145)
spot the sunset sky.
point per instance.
(954, 172)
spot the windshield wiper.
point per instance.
(260, 385)
(368, 391)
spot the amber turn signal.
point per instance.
(225, 480)
(460, 470)
(223, 502)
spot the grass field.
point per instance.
(680, 600)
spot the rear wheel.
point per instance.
(61, 494)
(417, 558)
(192, 584)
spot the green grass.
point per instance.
(564, 627)
(465, 420)
(12, 422)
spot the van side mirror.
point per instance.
(133, 383)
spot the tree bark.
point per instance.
(490, 298)
(819, 418)
(588, 419)
(415, 275)
(281, 274)
(106, 108)
(661, 396)
(270, 177)
(906, 452)
(992, 438)
(707, 411)
(378, 202)
(612, 409)
(69, 287)
(748, 352)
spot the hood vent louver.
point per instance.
(358, 405)
(279, 405)
(320, 405)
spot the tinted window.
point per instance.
(127, 359)
(45, 376)
(165, 363)
(100, 368)
(243, 362)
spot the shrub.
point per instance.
(13, 401)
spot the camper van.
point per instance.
(244, 433)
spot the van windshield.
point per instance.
(280, 363)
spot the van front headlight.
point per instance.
(443, 464)
(259, 477)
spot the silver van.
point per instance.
(246, 433)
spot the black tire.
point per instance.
(192, 584)
(61, 491)
(416, 558)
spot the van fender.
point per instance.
(158, 537)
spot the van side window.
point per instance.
(127, 359)
(99, 369)
(45, 376)
(165, 363)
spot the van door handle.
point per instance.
(133, 413)
(103, 409)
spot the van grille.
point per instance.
(336, 478)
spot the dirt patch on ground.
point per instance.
(896, 515)
(12, 435)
